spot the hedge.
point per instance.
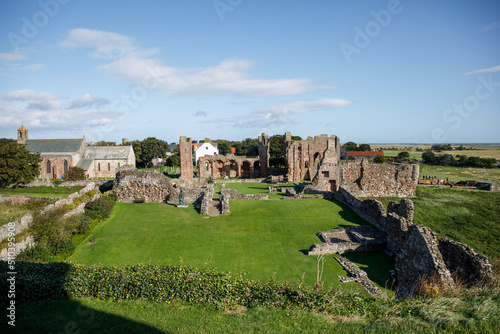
(36, 281)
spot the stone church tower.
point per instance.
(22, 135)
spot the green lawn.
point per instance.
(468, 216)
(52, 192)
(258, 188)
(478, 314)
(263, 238)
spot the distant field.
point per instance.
(477, 150)
(263, 238)
(456, 174)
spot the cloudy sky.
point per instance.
(368, 71)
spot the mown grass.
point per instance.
(11, 212)
(266, 239)
(42, 191)
(259, 188)
(456, 174)
(466, 314)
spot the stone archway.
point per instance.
(245, 169)
(256, 169)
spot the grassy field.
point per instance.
(258, 188)
(263, 238)
(52, 192)
(478, 314)
(11, 212)
(468, 216)
(460, 173)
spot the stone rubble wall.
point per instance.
(233, 194)
(7, 253)
(206, 202)
(349, 239)
(133, 185)
(464, 264)
(193, 193)
(380, 180)
(15, 226)
(359, 276)
(16, 200)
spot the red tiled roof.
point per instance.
(364, 153)
(233, 150)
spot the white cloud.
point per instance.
(33, 67)
(88, 100)
(35, 99)
(106, 44)
(138, 67)
(491, 26)
(279, 114)
(11, 57)
(38, 109)
(485, 70)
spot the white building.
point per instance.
(206, 148)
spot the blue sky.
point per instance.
(368, 71)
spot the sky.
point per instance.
(409, 71)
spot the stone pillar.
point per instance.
(264, 154)
(186, 154)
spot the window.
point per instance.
(326, 173)
(98, 166)
(307, 164)
(206, 147)
(65, 166)
(109, 166)
(48, 167)
(118, 165)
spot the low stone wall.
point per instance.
(15, 199)
(80, 183)
(259, 180)
(12, 252)
(359, 276)
(349, 239)
(15, 226)
(192, 192)
(68, 200)
(233, 194)
(369, 209)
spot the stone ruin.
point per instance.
(315, 159)
(419, 254)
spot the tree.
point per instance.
(223, 147)
(74, 174)
(350, 146)
(17, 165)
(364, 147)
(5, 141)
(248, 147)
(276, 151)
(403, 155)
(380, 159)
(429, 157)
(174, 160)
(152, 148)
(105, 143)
(296, 138)
(136, 145)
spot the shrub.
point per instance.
(380, 159)
(74, 174)
(37, 253)
(101, 208)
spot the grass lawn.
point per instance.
(468, 216)
(258, 188)
(441, 315)
(263, 238)
(52, 192)
(456, 174)
(11, 212)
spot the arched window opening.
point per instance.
(109, 166)
(49, 169)
(98, 166)
(65, 166)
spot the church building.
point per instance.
(60, 154)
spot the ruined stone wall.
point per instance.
(132, 185)
(228, 165)
(206, 201)
(186, 155)
(370, 210)
(381, 180)
(464, 264)
(303, 157)
(263, 154)
(420, 258)
(233, 194)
